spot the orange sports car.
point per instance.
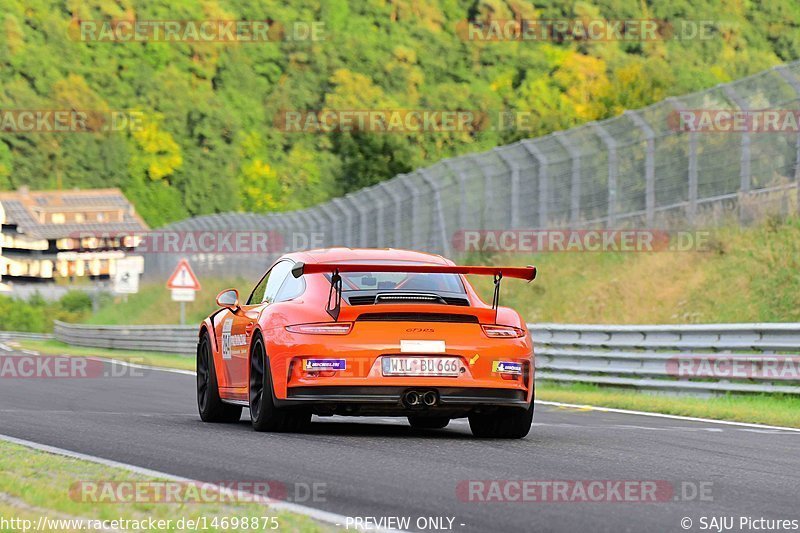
(364, 332)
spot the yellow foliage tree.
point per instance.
(158, 154)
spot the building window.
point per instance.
(58, 218)
(79, 217)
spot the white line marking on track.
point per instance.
(316, 514)
(673, 417)
(4, 347)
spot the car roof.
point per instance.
(326, 255)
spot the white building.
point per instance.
(67, 234)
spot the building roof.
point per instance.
(21, 208)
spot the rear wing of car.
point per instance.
(527, 273)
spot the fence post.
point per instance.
(293, 223)
(744, 155)
(403, 180)
(488, 194)
(691, 210)
(744, 159)
(513, 167)
(362, 215)
(320, 227)
(348, 215)
(335, 224)
(541, 162)
(462, 189)
(309, 223)
(792, 80)
(649, 165)
(438, 209)
(379, 207)
(398, 203)
(575, 185)
(278, 220)
(611, 147)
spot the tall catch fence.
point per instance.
(637, 170)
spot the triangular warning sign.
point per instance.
(183, 277)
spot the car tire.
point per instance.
(209, 404)
(505, 423)
(428, 422)
(265, 415)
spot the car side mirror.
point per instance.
(228, 298)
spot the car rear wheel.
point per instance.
(211, 407)
(505, 423)
(263, 412)
(428, 422)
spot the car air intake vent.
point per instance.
(418, 317)
(456, 301)
(361, 300)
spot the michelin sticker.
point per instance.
(507, 367)
(316, 365)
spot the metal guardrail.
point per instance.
(172, 339)
(715, 358)
(699, 359)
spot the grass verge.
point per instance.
(35, 484)
(770, 409)
(159, 359)
(737, 275)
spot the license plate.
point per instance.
(421, 366)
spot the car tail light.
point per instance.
(322, 328)
(502, 332)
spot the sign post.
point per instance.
(183, 284)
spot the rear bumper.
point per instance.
(388, 400)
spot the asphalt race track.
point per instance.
(382, 467)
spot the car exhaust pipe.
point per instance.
(412, 398)
(429, 398)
